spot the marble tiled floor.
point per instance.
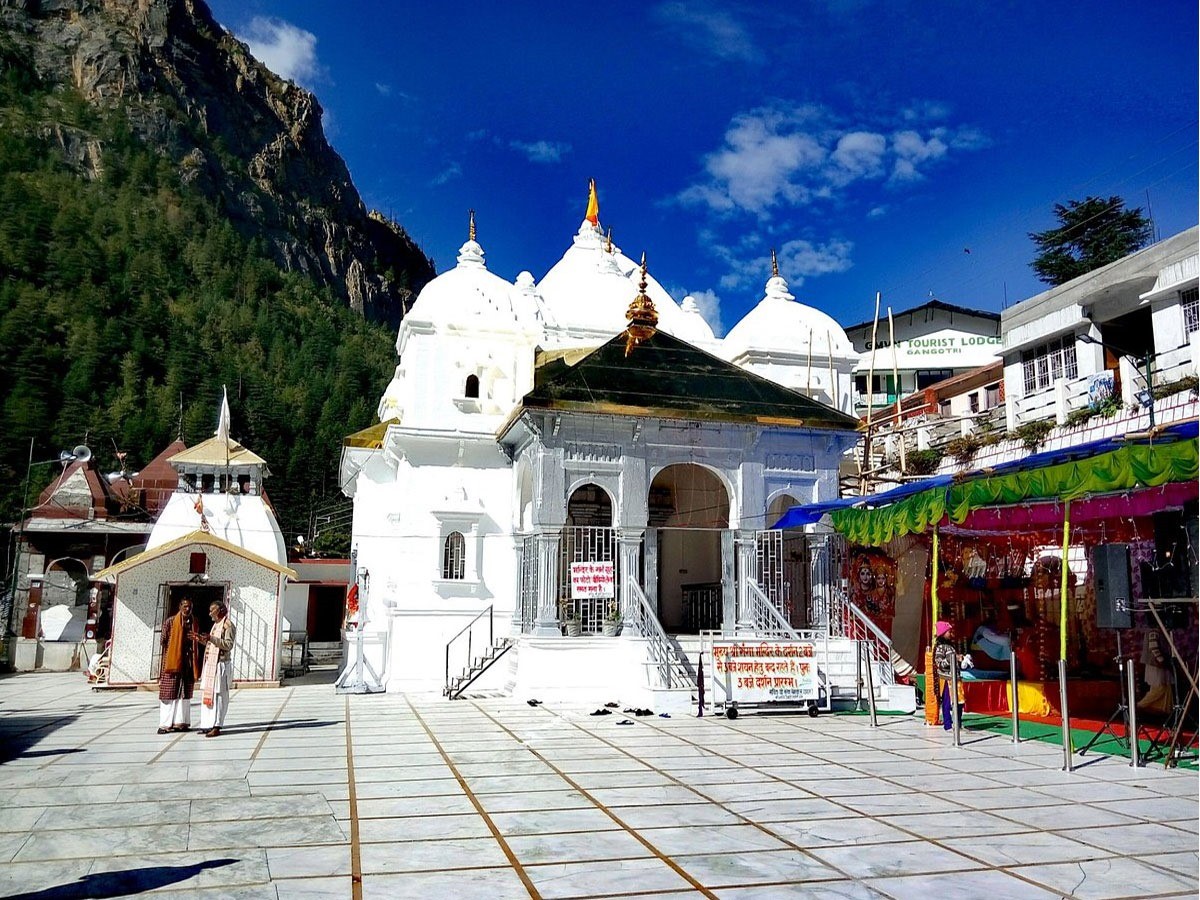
(308, 794)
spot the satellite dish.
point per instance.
(82, 453)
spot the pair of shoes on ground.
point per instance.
(625, 722)
(175, 728)
(212, 732)
(639, 712)
(601, 712)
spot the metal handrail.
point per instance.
(468, 630)
(640, 618)
(765, 615)
(881, 651)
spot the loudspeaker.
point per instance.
(1110, 563)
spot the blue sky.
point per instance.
(872, 143)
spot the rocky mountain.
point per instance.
(249, 140)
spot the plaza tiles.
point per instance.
(312, 795)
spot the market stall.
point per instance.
(1008, 555)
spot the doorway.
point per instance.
(326, 611)
(170, 597)
(688, 507)
(690, 591)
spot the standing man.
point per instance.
(180, 664)
(214, 680)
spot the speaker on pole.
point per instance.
(1110, 563)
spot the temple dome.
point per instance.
(692, 326)
(591, 287)
(778, 323)
(467, 296)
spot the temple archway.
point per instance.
(688, 509)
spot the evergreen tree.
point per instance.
(124, 293)
(1091, 233)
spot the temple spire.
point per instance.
(643, 317)
(774, 264)
(470, 224)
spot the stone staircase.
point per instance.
(478, 665)
(326, 653)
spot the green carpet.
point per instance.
(1052, 734)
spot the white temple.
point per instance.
(582, 417)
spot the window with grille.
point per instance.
(1190, 301)
(454, 557)
(1049, 362)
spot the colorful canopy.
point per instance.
(1102, 467)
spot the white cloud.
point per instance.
(384, 89)
(710, 307)
(876, 212)
(760, 164)
(541, 151)
(286, 50)
(452, 171)
(925, 111)
(798, 260)
(788, 156)
(860, 154)
(708, 29)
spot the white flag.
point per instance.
(223, 422)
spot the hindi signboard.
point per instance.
(767, 671)
(592, 579)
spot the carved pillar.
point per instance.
(516, 623)
(728, 582)
(746, 569)
(547, 567)
(629, 544)
(650, 577)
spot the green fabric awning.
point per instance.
(1126, 468)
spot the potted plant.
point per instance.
(572, 623)
(612, 619)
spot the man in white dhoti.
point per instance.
(180, 663)
(215, 677)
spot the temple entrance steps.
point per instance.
(325, 653)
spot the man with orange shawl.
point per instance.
(180, 666)
(214, 680)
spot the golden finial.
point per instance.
(471, 225)
(608, 242)
(643, 317)
(774, 264)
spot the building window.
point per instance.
(944, 408)
(993, 395)
(1190, 301)
(472, 387)
(1049, 362)
(973, 400)
(454, 557)
(929, 377)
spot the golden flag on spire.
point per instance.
(593, 207)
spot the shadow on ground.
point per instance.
(122, 883)
(19, 733)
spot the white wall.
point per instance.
(254, 607)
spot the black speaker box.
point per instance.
(1110, 563)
